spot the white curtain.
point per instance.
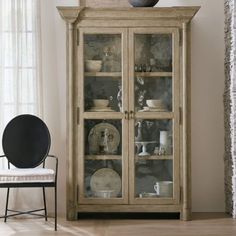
(20, 63)
(20, 70)
(230, 106)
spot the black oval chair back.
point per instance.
(26, 141)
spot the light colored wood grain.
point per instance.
(186, 156)
(115, 75)
(183, 14)
(154, 74)
(103, 157)
(131, 207)
(104, 3)
(131, 136)
(154, 115)
(176, 121)
(127, 22)
(163, 157)
(70, 17)
(125, 122)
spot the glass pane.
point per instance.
(103, 94)
(103, 158)
(103, 179)
(153, 155)
(102, 52)
(103, 137)
(154, 179)
(103, 81)
(151, 135)
(153, 53)
(153, 94)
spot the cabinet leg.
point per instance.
(186, 215)
(72, 213)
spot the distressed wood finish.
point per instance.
(127, 22)
(104, 3)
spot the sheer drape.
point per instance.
(20, 73)
(19, 59)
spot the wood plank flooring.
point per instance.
(210, 224)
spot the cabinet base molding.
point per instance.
(129, 208)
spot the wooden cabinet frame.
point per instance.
(128, 21)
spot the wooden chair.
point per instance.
(26, 142)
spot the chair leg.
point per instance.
(55, 208)
(45, 204)
(8, 190)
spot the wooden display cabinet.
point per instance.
(128, 109)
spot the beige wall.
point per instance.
(207, 90)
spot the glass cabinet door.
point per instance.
(154, 125)
(103, 124)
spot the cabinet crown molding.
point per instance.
(185, 14)
(69, 14)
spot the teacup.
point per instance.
(164, 188)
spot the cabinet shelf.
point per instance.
(103, 74)
(154, 74)
(153, 157)
(103, 157)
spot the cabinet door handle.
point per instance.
(131, 114)
(126, 115)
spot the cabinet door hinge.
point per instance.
(77, 115)
(77, 37)
(180, 115)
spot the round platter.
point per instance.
(106, 179)
(96, 137)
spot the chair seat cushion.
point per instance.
(29, 175)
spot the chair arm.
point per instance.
(56, 159)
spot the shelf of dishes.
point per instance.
(118, 74)
(119, 157)
(154, 74)
(103, 157)
(154, 157)
(103, 105)
(103, 74)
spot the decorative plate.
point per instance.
(104, 139)
(106, 179)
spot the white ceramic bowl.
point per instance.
(93, 65)
(100, 102)
(154, 103)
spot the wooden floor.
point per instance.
(211, 224)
